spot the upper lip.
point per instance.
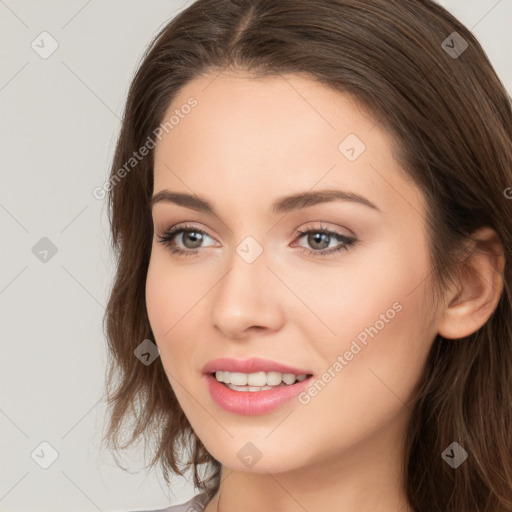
(251, 365)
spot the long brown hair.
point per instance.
(439, 97)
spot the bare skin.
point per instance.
(245, 144)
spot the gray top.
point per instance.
(196, 504)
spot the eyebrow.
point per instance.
(281, 205)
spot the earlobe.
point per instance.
(480, 285)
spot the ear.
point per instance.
(474, 298)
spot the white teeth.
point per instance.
(238, 379)
(274, 378)
(257, 380)
(289, 378)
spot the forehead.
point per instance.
(285, 111)
(272, 135)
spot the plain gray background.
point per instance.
(59, 120)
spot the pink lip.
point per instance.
(252, 403)
(251, 365)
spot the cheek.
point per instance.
(370, 367)
(164, 309)
(367, 288)
(175, 312)
(157, 300)
(169, 295)
(376, 313)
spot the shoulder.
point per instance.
(196, 504)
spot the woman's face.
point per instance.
(358, 319)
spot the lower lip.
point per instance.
(252, 403)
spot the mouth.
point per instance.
(254, 385)
(258, 381)
(245, 395)
(250, 366)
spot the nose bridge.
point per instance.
(247, 294)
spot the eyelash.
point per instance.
(169, 235)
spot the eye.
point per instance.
(191, 238)
(321, 238)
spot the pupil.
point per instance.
(195, 237)
(317, 238)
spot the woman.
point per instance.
(310, 214)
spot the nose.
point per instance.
(249, 297)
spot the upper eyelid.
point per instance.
(179, 229)
(189, 226)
